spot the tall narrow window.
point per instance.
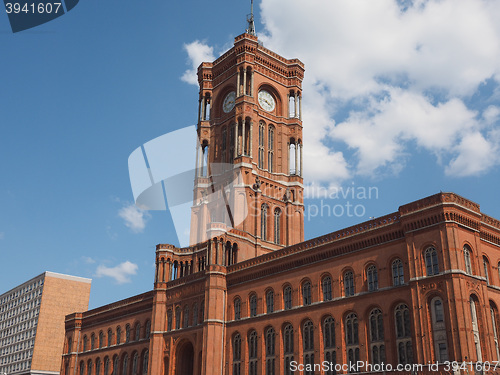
(148, 329)
(252, 353)
(475, 329)
(92, 342)
(277, 226)
(237, 309)
(287, 297)
(431, 261)
(177, 317)
(439, 330)
(306, 293)
(169, 320)
(125, 365)
(106, 366)
(145, 363)
(494, 325)
(195, 314)
(288, 348)
(308, 346)
(349, 283)
(397, 273)
(224, 146)
(89, 367)
(110, 337)
(270, 351)
(326, 285)
(82, 368)
(137, 332)
(253, 305)
(372, 276)
(98, 366)
(237, 354)
(85, 343)
(486, 266)
(261, 144)
(377, 346)
(269, 301)
(468, 267)
(118, 335)
(330, 355)
(403, 334)
(127, 333)
(135, 364)
(185, 317)
(263, 222)
(270, 149)
(115, 365)
(352, 338)
(231, 142)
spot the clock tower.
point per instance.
(249, 184)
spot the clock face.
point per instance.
(266, 100)
(228, 103)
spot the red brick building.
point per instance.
(420, 285)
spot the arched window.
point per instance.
(137, 331)
(125, 365)
(494, 325)
(397, 272)
(431, 261)
(403, 334)
(352, 338)
(148, 329)
(135, 363)
(288, 348)
(195, 314)
(82, 368)
(89, 367)
(177, 317)
(377, 346)
(326, 285)
(106, 366)
(237, 309)
(115, 365)
(127, 333)
(101, 339)
(269, 301)
(237, 354)
(372, 278)
(261, 144)
(306, 293)
(308, 346)
(110, 337)
(98, 366)
(252, 353)
(253, 305)
(287, 297)
(270, 149)
(270, 351)
(185, 317)
(330, 355)
(169, 320)
(468, 266)
(118, 335)
(92, 342)
(145, 363)
(439, 330)
(277, 226)
(85, 343)
(263, 222)
(348, 283)
(475, 328)
(486, 266)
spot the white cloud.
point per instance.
(134, 217)
(198, 52)
(88, 260)
(121, 273)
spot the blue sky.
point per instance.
(403, 98)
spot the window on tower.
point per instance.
(262, 128)
(270, 149)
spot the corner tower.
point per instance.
(250, 132)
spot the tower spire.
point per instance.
(251, 23)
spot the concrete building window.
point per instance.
(269, 302)
(352, 338)
(185, 317)
(397, 272)
(127, 334)
(270, 351)
(148, 329)
(330, 354)
(377, 346)
(486, 266)
(118, 335)
(277, 226)
(98, 366)
(439, 330)
(253, 305)
(145, 362)
(403, 334)
(263, 222)
(252, 353)
(135, 363)
(308, 345)
(177, 317)
(106, 366)
(431, 261)
(287, 297)
(261, 144)
(237, 354)
(494, 325)
(306, 293)
(270, 149)
(288, 348)
(372, 277)
(169, 320)
(195, 314)
(237, 309)
(326, 285)
(348, 284)
(468, 266)
(101, 340)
